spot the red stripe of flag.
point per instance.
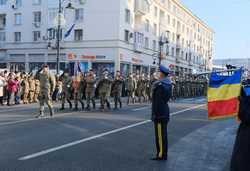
(222, 109)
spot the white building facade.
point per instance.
(113, 34)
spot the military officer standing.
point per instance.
(47, 87)
(66, 88)
(90, 89)
(160, 112)
(117, 89)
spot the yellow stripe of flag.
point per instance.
(224, 92)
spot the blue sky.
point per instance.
(230, 19)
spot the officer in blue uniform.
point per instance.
(162, 90)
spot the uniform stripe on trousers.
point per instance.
(160, 139)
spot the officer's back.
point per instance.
(162, 91)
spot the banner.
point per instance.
(223, 93)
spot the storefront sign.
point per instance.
(71, 56)
(137, 61)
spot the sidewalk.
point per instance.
(207, 149)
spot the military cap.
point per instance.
(164, 70)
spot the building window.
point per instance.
(173, 22)
(126, 35)
(155, 29)
(2, 36)
(18, 3)
(17, 37)
(127, 16)
(172, 51)
(156, 12)
(2, 21)
(163, 1)
(79, 14)
(154, 44)
(37, 17)
(146, 42)
(78, 35)
(3, 2)
(173, 37)
(36, 36)
(147, 25)
(18, 19)
(36, 2)
(169, 19)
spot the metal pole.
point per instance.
(160, 48)
(58, 37)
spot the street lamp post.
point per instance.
(58, 37)
(163, 40)
(59, 31)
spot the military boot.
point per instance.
(76, 107)
(115, 108)
(93, 102)
(108, 105)
(120, 104)
(41, 114)
(70, 104)
(62, 108)
(82, 105)
(88, 107)
(51, 112)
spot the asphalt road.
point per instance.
(113, 140)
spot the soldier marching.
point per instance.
(85, 88)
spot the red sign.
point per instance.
(136, 60)
(71, 56)
(88, 57)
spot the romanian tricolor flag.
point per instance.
(223, 93)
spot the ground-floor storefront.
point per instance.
(98, 59)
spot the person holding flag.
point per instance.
(240, 160)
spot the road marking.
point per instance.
(141, 108)
(50, 150)
(36, 119)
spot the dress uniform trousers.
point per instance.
(161, 138)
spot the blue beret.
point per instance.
(164, 69)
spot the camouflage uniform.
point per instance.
(104, 90)
(141, 87)
(32, 86)
(37, 90)
(131, 86)
(90, 90)
(47, 87)
(79, 87)
(66, 89)
(117, 90)
(26, 89)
